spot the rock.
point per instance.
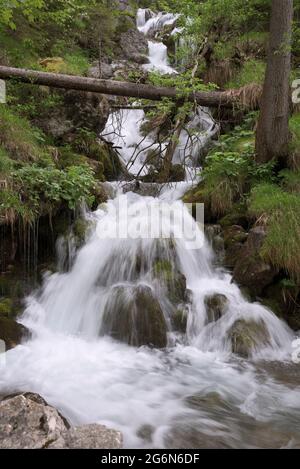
(214, 236)
(234, 239)
(28, 422)
(89, 437)
(86, 110)
(12, 332)
(134, 315)
(101, 70)
(179, 319)
(250, 269)
(216, 306)
(177, 173)
(248, 336)
(173, 279)
(134, 46)
(75, 110)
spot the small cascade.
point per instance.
(138, 332)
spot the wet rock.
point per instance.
(234, 239)
(215, 238)
(250, 269)
(173, 279)
(248, 336)
(134, 46)
(134, 315)
(177, 173)
(101, 70)
(75, 110)
(28, 422)
(179, 319)
(216, 306)
(12, 332)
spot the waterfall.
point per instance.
(78, 358)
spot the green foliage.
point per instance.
(252, 71)
(290, 180)
(230, 170)
(279, 211)
(40, 186)
(18, 138)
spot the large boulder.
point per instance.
(28, 422)
(248, 336)
(134, 46)
(175, 282)
(235, 237)
(76, 110)
(216, 306)
(11, 332)
(251, 270)
(133, 315)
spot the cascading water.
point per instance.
(192, 392)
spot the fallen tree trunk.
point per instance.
(117, 88)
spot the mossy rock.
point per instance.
(133, 315)
(248, 336)
(11, 332)
(197, 196)
(237, 216)
(234, 238)
(173, 279)
(179, 319)
(53, 64)
(6, 308)
(216, 306)
(67, 157)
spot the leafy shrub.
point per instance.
(34, 191)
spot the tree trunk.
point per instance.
(117, 88)
(272, 136)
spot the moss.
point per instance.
(164, 268)
(18, 138)
(80, 228)
(6, 307)
(68, 158)
(179, 320)
(253, 71)
(238, 215)
(248, 336)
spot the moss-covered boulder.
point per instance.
(216, 306)
(175, 282)
(11, 332)
(251, 270)
(133, 315)
(197, 196)
(6, 308)
(248, 336)
(234, 239)
(179, 319)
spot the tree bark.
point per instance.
(272, 135)
(116, 88)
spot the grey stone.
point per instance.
(28, 422)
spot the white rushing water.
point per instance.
(194, 393)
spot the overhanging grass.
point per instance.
(279, 211)
(18, 138)
(253, 71)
